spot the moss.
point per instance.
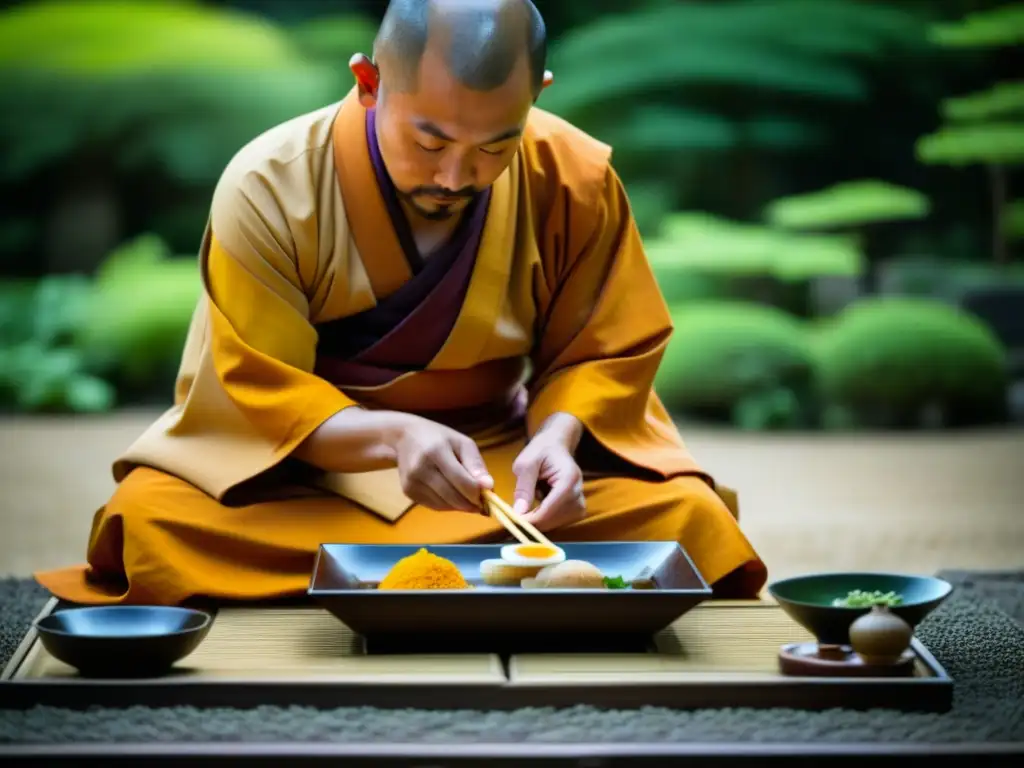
(894, 360)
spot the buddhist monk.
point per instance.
(430, 288)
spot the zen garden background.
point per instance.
(827, 190)
(830, 193)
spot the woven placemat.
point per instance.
(978, 635)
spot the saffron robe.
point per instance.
(315, 300)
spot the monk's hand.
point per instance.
(439, 467)
(548, 459)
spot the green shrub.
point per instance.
(142, 304)
(696, 256)
(40, 368)
(733, 249)
(148, 97)
(37, 378)
(81, 344)
(681, 285)
(897, 362)
(740, 362)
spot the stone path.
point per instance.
(809, 502)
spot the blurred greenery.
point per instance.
(866, 208)
(992, 143)
(908, 362)
(700, 256)
(1002, 100)
(980, 128)
(333, 39)
(41, 368)
(86, 39)
(738, 362)
(927, 277)
(139, 312)
(983, 29)
(1013, 217)
(850, 204)
(720, 81)
(887, 363)
(156, 112)
(71, 343)
(774, 151)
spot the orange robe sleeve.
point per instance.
(263, 345)
(246, 394)
(604, 329)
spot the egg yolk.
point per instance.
(535, 551)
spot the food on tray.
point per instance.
(499, 573)
(858, 599)
(616, 582)
(570, 574)
(532, 555)
(532, 566)
(538, 566)
(424, 570)
(518, 562)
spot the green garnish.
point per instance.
(858, 599)
(616, 583)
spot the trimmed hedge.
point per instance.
(898, 362)
(740, 362)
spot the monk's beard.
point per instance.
(442, 211)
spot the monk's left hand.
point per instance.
(548, 459)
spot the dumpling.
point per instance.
(572, 574)
(499, 573)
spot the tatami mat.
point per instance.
(300, 643)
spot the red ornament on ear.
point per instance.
(367, 78)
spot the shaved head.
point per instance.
(480, 41)
(451, 86)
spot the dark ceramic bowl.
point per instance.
(808, 600)
(123, 641)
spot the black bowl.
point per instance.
(808, 600)
(123, 641)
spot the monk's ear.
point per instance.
(367, 79)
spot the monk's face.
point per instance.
(443, 142)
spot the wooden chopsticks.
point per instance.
(512, 522)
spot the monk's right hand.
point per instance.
(439, 467)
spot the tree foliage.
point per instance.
(334, 39)
(671, 84)
(109, 37)
(983, 127)
(41, 367)
(797, 46)
(168, 86)
(696, 241)
(991, 143)
(1013, 220)
(1003, 26)
(1003, 100)
(156, 97)
(848, 204)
